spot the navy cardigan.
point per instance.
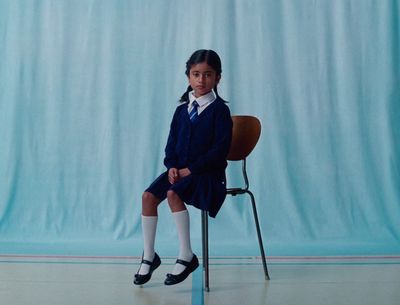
(201, 146)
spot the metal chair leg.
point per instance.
(260, 242)
(204, 224)
(203, 238)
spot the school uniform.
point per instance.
(202, 146)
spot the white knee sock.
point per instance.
(149, 227)
(185, 250)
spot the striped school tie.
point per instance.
(193, 114)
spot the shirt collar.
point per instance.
(202, 100)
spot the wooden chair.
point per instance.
(245, 134)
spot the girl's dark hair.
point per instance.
(208, 56)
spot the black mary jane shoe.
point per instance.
(173, 279)
(141, 279)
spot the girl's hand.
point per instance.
(184, 172)
(173, 175)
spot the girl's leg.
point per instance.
(149, 227)
(182, 221)
(149, 204)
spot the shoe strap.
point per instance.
(182, 262)
(144, 261)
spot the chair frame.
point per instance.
(204, 225)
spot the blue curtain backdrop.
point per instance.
(88, 89)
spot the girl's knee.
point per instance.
(171, 195)
(146, 197)
(149, 198)
(175, 202)
(149, 204)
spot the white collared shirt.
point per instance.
(203, 101)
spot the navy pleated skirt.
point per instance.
(204, 191)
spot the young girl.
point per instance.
(195, 157)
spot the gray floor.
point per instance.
(28, 280)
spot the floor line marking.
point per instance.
(197, 287)
(284, 262)
(294, 257)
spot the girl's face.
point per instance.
(202, 78)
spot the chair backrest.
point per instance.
(245, 134)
